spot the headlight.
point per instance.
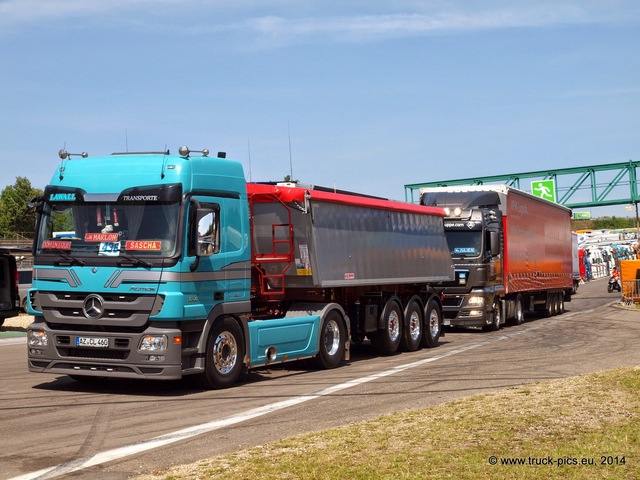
(153, 343)
(37, 338)
(476, 301)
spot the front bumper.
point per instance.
(458, 313)
(120, 359)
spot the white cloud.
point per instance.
(452, 18)
(303, 22)
(408, 24)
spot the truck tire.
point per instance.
(518, 317)
(387, 339)
(413, 321)
(433, 324)
(560, 303)
(224, 355)
(496, 319)
(332, 342)
(548, 307)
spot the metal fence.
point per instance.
(630, 292)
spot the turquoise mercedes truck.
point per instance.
(161, 266)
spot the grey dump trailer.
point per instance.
(380, 260)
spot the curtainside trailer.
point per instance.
(512, 252)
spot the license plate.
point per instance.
(93, 342)
(446, 323)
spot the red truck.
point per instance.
(511, 251)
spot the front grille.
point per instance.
(94, 353)
(452, 302)
(126, 310)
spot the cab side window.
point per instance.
(206, 238)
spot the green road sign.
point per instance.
(544, 189)
(581, 215)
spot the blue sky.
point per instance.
(373, 94)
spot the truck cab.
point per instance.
(135, 255)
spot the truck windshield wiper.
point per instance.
(67, 256)
(136, 260)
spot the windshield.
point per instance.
(464, 243)
(129, 229)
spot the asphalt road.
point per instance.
(54, 427)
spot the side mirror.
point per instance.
(206, 232)
(35, 205)
(494, 244)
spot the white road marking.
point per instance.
(186, 433)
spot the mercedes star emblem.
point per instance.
(93, 306)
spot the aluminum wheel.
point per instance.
(393, 326)
(333, 340)
(414, 326)
(387, 339)
(225, 352)
(434, 323)
(331, 337)
(519, 313)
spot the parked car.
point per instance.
(24, 284)
(9, 295)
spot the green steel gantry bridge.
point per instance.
(577, 187)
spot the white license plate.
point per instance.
(94, 342)
(446, 323)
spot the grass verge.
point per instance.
(575, 428)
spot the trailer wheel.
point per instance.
(224, 355)
(519, 312)
(412, 333)
(560, 303)
(433, 324)
(548, 308)
(494, 326)
(332, 342)
(387, 340)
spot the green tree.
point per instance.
(611, 223)
(13, 203)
